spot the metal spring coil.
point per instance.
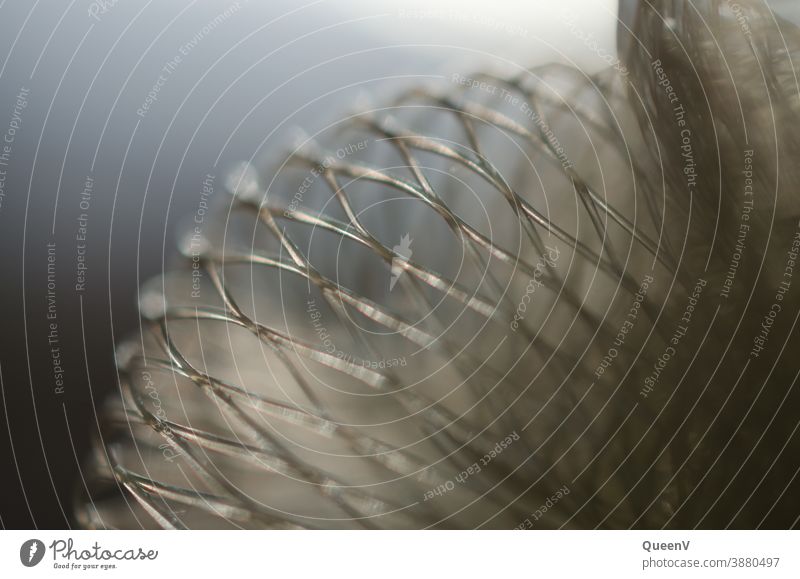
(444, 313)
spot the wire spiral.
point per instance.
(528, 220)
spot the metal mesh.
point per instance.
(433, 314)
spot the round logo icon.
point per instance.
(31, 552)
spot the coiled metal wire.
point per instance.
(443, 312)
